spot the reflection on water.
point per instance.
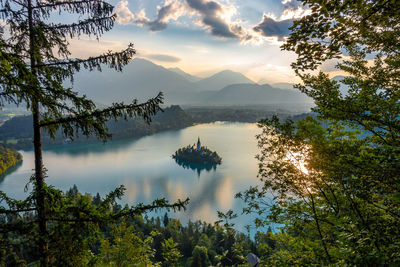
(147, 170)
(196, 166)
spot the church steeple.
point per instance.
(198, 144)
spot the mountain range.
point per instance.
(143, 79)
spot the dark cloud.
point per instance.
(164, 58)
(218, 27)
(209, 11)
(269, 27)
(155, 26)
(163, 15)
(291, 4)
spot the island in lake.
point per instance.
(197, 154)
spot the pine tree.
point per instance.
(34, 62)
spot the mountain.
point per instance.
(143, 79)
(247, 94)
(222, 79)
(140, 79)
(285, 86)
(187, 76)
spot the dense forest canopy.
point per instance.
(335, 175)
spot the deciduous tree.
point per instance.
(335, 177)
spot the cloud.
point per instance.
(291, 4)
(269, 27)
(124, 15)
(172, 10)
(217, 18)
(162, 57)
(294, 9)
(211, 15)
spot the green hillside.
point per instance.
(8, 158)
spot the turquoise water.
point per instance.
(147, 170)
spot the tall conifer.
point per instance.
(35, 61)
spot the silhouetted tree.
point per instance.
(35, 62)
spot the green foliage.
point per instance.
(127, 248)
(200, 257)
(35, 62)
(335, 178)
(8, 158)
(76, 225)
(170, 252)
(87, 233)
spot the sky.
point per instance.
(202, 37)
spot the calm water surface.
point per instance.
(147, 170)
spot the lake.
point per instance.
(147, 170)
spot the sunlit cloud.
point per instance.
(124, 15)
(171, 10)
(86, 47)
(213, 16)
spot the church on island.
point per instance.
(198, 146)
(197, 154)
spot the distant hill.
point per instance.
(19, 129)
(222, 79)
(140, 79)
(242, 94)
(143, 79)
(187, 76)
(285, 86)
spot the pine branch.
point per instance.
(113, 216)
(145, 110)
(22, 227)
(115, 60)
(91, 7)
(92, 26)
(156, 205)
(14, 211)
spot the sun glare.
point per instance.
(298, 160)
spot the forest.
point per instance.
(139, 240)
(18, 134)
(333, 177)
(8, 158)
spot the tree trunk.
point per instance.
(37, 144)
(39, 186)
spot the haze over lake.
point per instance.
(147, 170)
